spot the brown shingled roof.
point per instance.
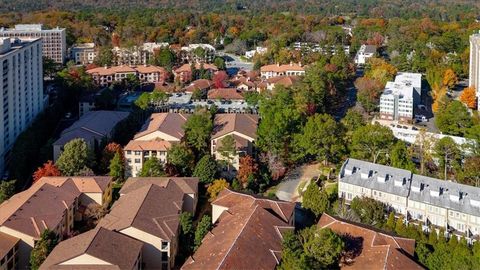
(248, 235)
(152, 145)
(225, 93)
(187, 67)
(226, 123)
(286, 81)
(168, 123)
(7, 243)
(372, 249)
(282, 68)
(113, 247)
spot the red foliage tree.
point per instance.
(108, 153)
(219, 79)
(248, 168)
(48, 169)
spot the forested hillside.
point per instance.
(441, 9)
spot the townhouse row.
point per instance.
(446, 204)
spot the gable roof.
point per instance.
(248, 234)
(225, 123)
(152, 145)
(27, 211)
(168, 123)
(199, 84)
(188, 185)
(282, 68)
(286, 81)
(147, 206)
(93, 124)
(187, 67)
(104, 71)
(225, 93)
(113, 247)
(7, 243)
(372, 248)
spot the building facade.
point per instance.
(269, 71)
(53, 40)
(21, 98)
(204, 53)
(364, 53)
(105, 76)
(83, 54)
(474, 71)
(436, 202)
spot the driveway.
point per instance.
(234, 63)
(288, 188)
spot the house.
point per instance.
(202, 85)
(149, 210)
(269, 71)
(285, 81)
(369, 248)
(247, 233)
(8, 251)
(53, 203)
(157, 135)
(434, 202)
(105, 76)
(243, 129)
(364, 53)
(92, 127)
(96, 249)
(231, 94)
(83, 54)
(258, 50)
(183, 74)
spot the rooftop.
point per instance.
(227, 123)
(225, 93)
(7, 243)
(282, 68)
(168, 123)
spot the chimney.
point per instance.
(105, 67)
(291, 63)
(278, 64)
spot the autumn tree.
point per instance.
(369, 91)
(219, 79)
(108, 153)
(378, 69)
(424, 142)
(469, 97)
(449, 78)
(215, 187)
(247, 170)
(48, 169)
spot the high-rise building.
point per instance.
(474, 78)
(21, 95)
(54, 40)
(83, 54)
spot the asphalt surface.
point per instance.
(287, 189)
(234, 63)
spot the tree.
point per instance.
(321, 138)
(370, 211)
(75, 157)
(449, 78)
(164, 58)
(206, 169)
(378, 69)
(219, 62)
(432, 237)
(469, 97)
(423, 145)
(48, 169)
(198, 130)
(323, 246)
(181, 158)
(454, 120)
(215, 187)
(43, 247)
(227, 149)
(293, 255)
(370, 141)
(219, 79)
(203, 228)
(369, 91)
(132, 82)
(353, 120)
(400, 227)
(448, 153)
(117, 168)
(248, 169)
(94, 212)
(7, 190)
(104, 57)
(400, 158)
(390, 225)
(186, 232)
(152, 167)
(471, 171)
(315, 199)
(108, 153)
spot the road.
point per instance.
(234, 63)
(288, 188)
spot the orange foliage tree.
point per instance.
(449, 78)
(248, 168)
(469, 98)
(48, 169)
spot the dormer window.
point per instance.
(415, 189)
(401, 182)
(435, 193)
(454, 197)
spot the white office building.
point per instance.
(474, 75)
(54, 40)
(83, 54)
(400, 97)
(21, 98)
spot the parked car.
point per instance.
(421, 118)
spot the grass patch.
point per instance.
(301, 186)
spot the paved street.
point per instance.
(234, 63)
(288, 189)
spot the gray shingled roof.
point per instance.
(375, 173)
(451, 195)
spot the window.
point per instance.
(137, 160)
(129, 152)
(137, 153)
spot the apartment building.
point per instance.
(243, 129)
(364, 53)
(184, 73)
(21, 97)
(248, 231)
(51, 203)
(203, 53)
(446, 204)
(96, 249)
(292, 69)
(106, 76)
(136, 55)
(154, 139)
(8, 252)
(83, 54)
(149, 210)
(400, 97)
(474, 71)
(53, 40)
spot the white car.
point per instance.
(421, 118)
